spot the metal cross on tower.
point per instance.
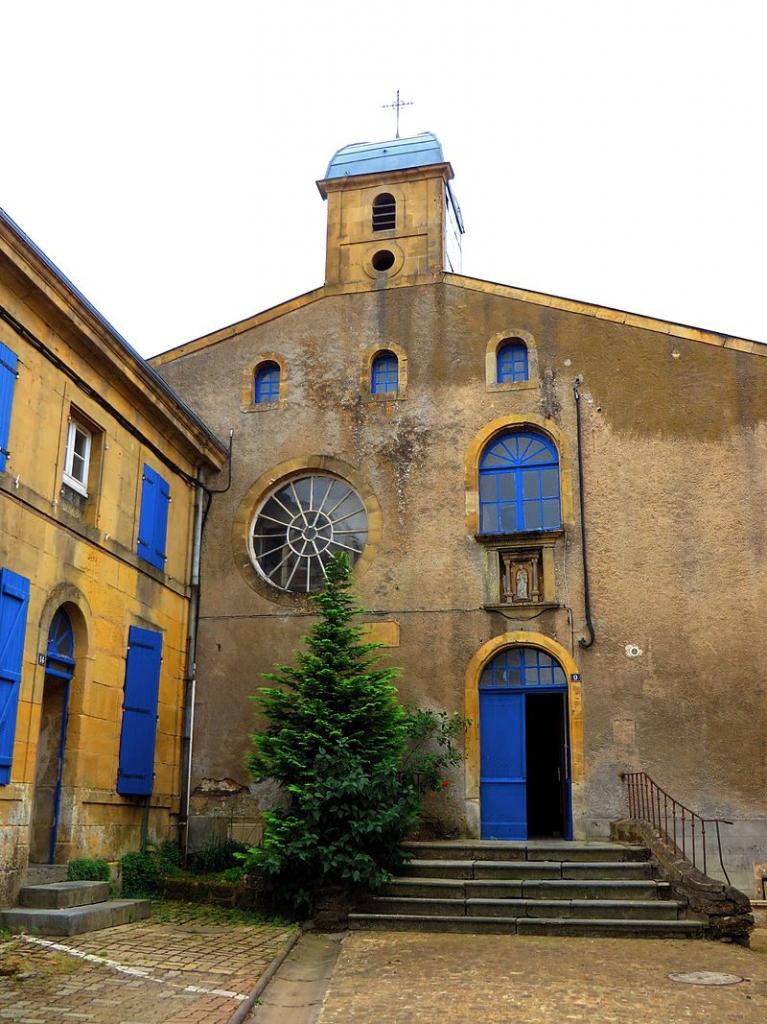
(397, 106)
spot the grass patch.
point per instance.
(178, 912)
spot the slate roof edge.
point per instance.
(142, 364)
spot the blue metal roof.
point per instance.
(394, 155)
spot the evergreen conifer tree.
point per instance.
(336, 740)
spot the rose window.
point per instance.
(301, 525)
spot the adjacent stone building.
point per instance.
(555, 510)
(99, 462)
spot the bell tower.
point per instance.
(392, 216)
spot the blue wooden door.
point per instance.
(503, 778)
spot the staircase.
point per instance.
(68, 908)
(528, 888)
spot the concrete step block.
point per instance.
(413, 905)
(74, 920)
(532, 849)
(595, 928)
(58, 895)
(611, 928)
(584, 852)
(626, 869)
(434, 888)
(500, 889)
(607, 889)
(439, 869)
(467, 850)
(510, 870)
(584, 909)
(44, 874)
(414, 923)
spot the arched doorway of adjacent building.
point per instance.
(51, 744)
(524, 746)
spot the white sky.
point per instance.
(164, 154)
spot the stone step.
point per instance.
(529, 850)
(660, 910)
(459, 888)
(593, 927)
(59, 895)
(575, 889)
(74, 920)
(43, 874)
(521, 869)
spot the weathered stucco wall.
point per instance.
(675, 489)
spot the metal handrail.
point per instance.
(649, 803)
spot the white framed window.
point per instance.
(77, 457)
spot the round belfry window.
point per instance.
(301, 525)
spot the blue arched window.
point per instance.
(519, 484)
(59, 660)
(267, 384)
(521, 666)
(511, 362)
(385, 374)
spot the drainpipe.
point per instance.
(582, 642)
(190, 683)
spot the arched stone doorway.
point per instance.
(524, 743)
(51, 744)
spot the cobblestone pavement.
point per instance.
(409, 978)
(192, 966)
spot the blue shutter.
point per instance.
(14, 600)
(8, 364)
(142, 684)
(153, 519)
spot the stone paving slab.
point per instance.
(412, 978)
(193, 966)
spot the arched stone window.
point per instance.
(511, 362)
(384, 212)
(266, 384)
(384, 374)
(519, 484)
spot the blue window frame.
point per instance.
(519, 484)
(153, 520)
(385, 374)
(135, 774)
(511, 362)
(522, 667)
(60, 655)
(14, 601)
(8, 373)
(267, 384)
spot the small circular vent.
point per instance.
(383, 260)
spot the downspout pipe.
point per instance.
(582, 641)
(190, 683)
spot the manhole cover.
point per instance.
(705, 978)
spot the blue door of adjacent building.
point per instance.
(51, 746)
(524, 755)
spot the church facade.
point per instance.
(555, 512)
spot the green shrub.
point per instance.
(217, 855)
(140, 874)
(87, 869)
(233, 874)
(336, 740)
(169, 857)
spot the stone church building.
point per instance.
(555, 510)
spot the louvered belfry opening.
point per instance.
(384, 212)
